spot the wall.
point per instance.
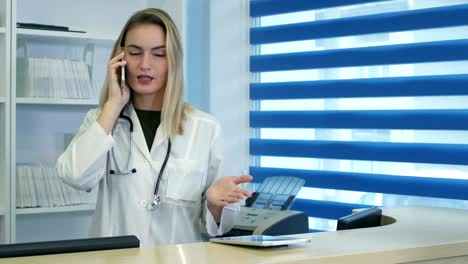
(229, 78)
(217, 67)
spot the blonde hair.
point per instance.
(174, 111)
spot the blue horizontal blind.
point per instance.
(362, 96)
(273, 7)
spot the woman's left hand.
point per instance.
(224, 192)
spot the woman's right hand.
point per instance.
(116, 96)
(116, 99)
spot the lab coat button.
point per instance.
(143, 203)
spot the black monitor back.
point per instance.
(68, 246)
(366, 218)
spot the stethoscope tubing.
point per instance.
(156, 198)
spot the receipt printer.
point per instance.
(266, 212)
(257, 221)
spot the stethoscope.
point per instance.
(118, 171)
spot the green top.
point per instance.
(149, 121)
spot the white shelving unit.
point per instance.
(61, 209)
(34, 33)
(35, 130)
(56, 101)
(42, 127)
(5, 138)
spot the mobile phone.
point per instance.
(122, 79)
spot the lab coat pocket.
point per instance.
(184, 182)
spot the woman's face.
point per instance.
(145, 53)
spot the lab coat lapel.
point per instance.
(138, 136)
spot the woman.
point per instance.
(156, 159)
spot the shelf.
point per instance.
(2, 30)
(56, 101)
(62, 209)
(48, 34)
(2, 99)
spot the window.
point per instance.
(368, 102)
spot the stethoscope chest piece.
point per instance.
(155, 203)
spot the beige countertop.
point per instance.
(416, 234)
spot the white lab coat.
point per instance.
(193, 165)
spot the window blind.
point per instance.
(362, 96)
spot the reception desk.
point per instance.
(409, 235)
